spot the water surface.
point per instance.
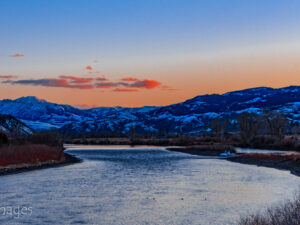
(145, 185)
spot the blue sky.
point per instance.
(139, 38)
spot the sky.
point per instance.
(132, 53)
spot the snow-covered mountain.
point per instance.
(13, 127)
(40, 114)
(190, 116)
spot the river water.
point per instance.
(144, 185)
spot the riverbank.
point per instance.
(204, 150)
(18, 158)
(290, 162)
(260, 142)
(282, 161)
(22, 167)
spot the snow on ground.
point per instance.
(35, 125)
(250, 110)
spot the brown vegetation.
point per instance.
(287, 161)
(35, 151)
(49, 138)
(30, 154)
(287, 214)
(262, 141)
(206, 150)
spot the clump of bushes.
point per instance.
(50, 138)
(29, 154)
(32, 150)
(287, 214)
(273, 142)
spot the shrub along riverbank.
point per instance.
(32, 152)
(285, 214)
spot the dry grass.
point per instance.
(205, 150)
(272, 156)
(29, 154)
(286, 214)
(272, 142)
(214, 148)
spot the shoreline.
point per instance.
(288, 162)
(281, 163)
(181, 142)
(69, 159)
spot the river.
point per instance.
(144, 185)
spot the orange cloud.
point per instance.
(17, 55)
(148, 84)
(125, 90)
(88, 68)
(168, 88)
(50, 82)
(129, 79)
(93, 72)
(8, 77)
(68, 81)
(106, 84)
(77, 80)
(101, 78)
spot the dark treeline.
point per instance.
(267, 130)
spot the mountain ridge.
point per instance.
(192, 115)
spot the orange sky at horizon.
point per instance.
(189, 79)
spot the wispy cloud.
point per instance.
(125, 90)
(69, 81)
(93, 72)
(50, 82)
(129, 79)
(17, 55)
(101, 78)
(76, 80)
(8, 77)
(106, 84)
(167, 88)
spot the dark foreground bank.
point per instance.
(18, 157)
(19, 168)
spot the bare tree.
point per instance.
(219, 127)
(276, 123)
(132, 133)
(249, 126)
